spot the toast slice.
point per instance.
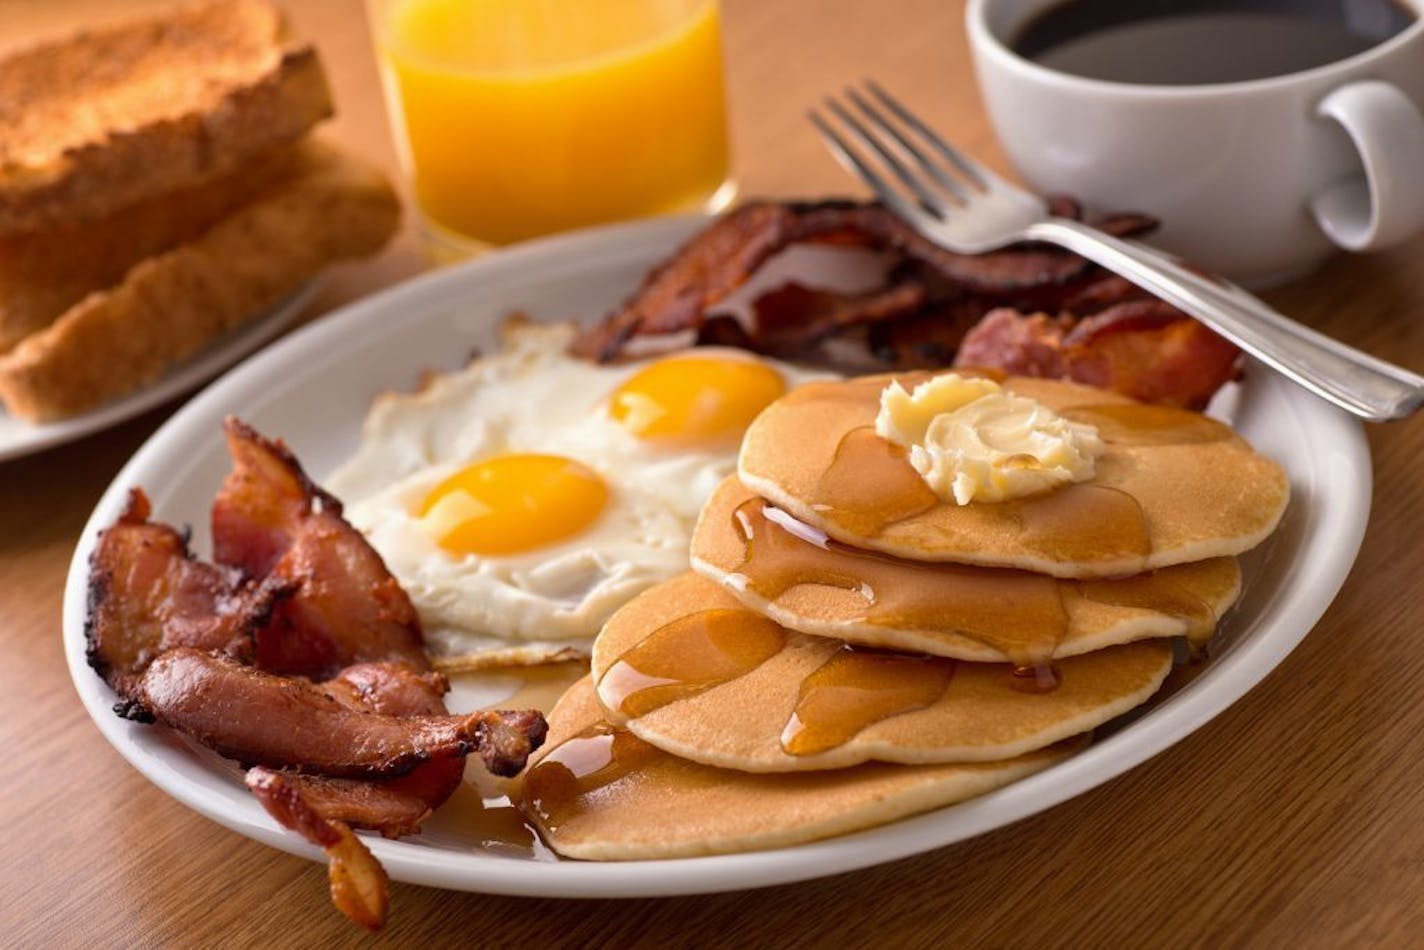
(327, 207)
(110, 117)
(44, 273)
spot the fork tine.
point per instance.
(943, 178)
(854, 164)
(927, 199)
(971, 169)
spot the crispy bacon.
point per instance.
(359, 886)
(927, 339)
(1026, 308)
(873, 225)
(262, 502)
(147, 594)
(679, 295)
(289, 722)
(1152, 352)
(1016, 343)
(340, 603)
(379, 806)
(392, 689)
(1142, 348)
(793, 317)
(302, 595)
(675, 295)
(394, 807)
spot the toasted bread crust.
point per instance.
(170, 306)
(44, 273)
(110, 117)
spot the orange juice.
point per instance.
(522, 117)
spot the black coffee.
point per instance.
(1186, 42)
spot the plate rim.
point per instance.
(1344, 518)
(209, 363)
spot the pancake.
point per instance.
(1171, 486)
(688, 668)
(601, 794)
(802, 580)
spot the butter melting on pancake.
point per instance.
(801, 579)
(686, 667)
(1170, 486)
(597, 792)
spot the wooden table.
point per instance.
(1293, 818)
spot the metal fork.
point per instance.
(962, 206)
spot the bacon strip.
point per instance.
(342, 605)
(678, 295)
(392, 689)
(147, 594)
(1152, 352)
(1142, 348)
(394, 807)
(716, 261)
(359, 886)
(1002, 271)
(1016, 343)
(287, 722)
(934, 299)
(302, 594)
(379, 806)
(928, 339)
(793, 317)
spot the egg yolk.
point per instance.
(513, 503)
(695, 398)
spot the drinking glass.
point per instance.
(516, 118)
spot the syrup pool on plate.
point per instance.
(517, 118)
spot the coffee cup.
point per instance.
(1259, 180)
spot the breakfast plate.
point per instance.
(314, 388)
(19, 438)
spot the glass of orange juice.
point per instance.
(516, 118)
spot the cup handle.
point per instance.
(1386, 204)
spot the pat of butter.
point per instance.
(972, 441)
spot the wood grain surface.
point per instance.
(1293, 819)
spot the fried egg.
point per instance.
(523, 499)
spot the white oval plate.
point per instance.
(19, 438)
(313, 389)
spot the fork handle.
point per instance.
(1357, 382)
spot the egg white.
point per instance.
(529, 397)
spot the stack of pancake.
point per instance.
(853, 649)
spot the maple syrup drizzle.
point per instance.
(1016, 613)
(1083, 522)
(500, 828)
(857, 688)
(870, 485)
(688, 656)
(1038, 678)
(569, 779)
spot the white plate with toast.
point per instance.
(19, 438)
(314, 388)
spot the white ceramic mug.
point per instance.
(1257, 180)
